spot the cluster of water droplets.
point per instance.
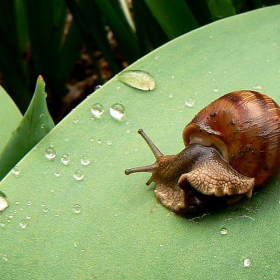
(65, 160)
(117, 110)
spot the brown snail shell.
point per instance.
(232, 145)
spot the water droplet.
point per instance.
(216, 89)
(42, 115)
(118, 87)
(246, 262)
(65, 159)
(137, 79)
(128, 131)
(45, 208)
(257, 87)
(16, 170)
(4, 203)
(117, 111)
(161, 245)
(57, 173)
(5, 258)
(156, 57)
(99, 141)
(28, 217)
(109, 143)
(189, 102)
(223, 231)
(170, 95)
(29, 203)
(43, 125)
(50, 153)
(85, 160)
(23, 224)
(97, 110)
(97, 87)
(77, 208)
(75, 121)
(79, 174)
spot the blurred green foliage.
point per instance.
(47, 37)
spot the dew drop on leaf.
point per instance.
(189, 102)
(57, 173)
(117, 111)
(4, 203)
(45, 208)
(216, 89)
(16, 170)
(50, 153)
(97, 110)
(137, 79)
(65, 159)
(246, 262)
(97, 87)
(79, 175)
(223, 231)
(85, 160)
(23, 224)
(5, 258)
(257, 87)
(77, 208)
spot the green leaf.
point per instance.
(175, 20)
(11, 59)
(10, 117)
(220, 8)
(35, 124)
(110, 226)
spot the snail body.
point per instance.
(232, 146)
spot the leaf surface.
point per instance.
(109, 226)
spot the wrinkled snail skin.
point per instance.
(232, 145)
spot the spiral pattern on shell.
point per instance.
(245, 127)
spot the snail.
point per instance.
(232, 146)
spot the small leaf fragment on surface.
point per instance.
(138, 79)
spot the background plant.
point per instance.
(76, 45)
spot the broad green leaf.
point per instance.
(10, 117)
(35, 124)
(86, 220)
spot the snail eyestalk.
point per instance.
(157, 153)
(148, 168)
